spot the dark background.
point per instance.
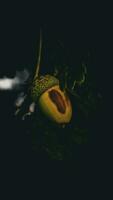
(83, 33)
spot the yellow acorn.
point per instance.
(54, 103)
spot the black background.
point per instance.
(82, 30)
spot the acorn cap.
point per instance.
(41, 84)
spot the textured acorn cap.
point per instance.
(41, 84)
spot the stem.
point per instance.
(39, 57)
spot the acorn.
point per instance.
(53, 102)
